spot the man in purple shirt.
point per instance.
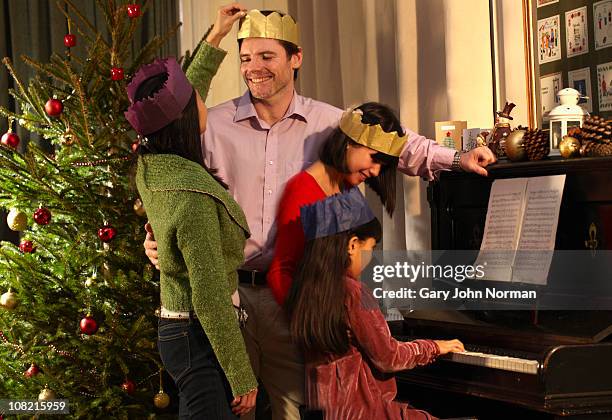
(257, 142)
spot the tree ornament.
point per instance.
(133, 11)
(9, 300)
(161, 400)
(117, 73)
(128, 386)
(54, 107)
(70, 40)
(27, 247)
(46, 394)
(569, 147)
(134, 146)
(107, 233)
(139, 208)
(10, 139)
(17, 220)
(88, 325)
(33, 370)
(42, 216)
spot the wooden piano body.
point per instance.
(521, 364)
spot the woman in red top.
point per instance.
(364, 148)
(350, 353)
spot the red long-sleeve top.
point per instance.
(300, 190)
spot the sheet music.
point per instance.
(502, 227)
(539, 229)
(521, 228)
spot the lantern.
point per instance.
(565, 116)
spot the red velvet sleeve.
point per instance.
(289, 246)
(371, 331)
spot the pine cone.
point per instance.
(536, 144)
(602, 150)
(596, 129)
(586, 149)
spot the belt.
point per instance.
(168, 314)
(254, 278)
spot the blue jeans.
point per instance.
(188, 357)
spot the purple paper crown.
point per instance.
(335, 214)
(166, 105)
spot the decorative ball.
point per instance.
(133, 11)
(107, 233)
(88, 325)
(161, 400)
(42, 216)
(117, 73)
(70, 40)
(134, 146)
(10, 139)
(17, 220)
(46, 394)
(27, 247)
(54, 107)
(9, 300)
(33, 370)
(128, 386)
(569, 147)
(139, 208)
(515, 149)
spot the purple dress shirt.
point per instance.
(256, 159)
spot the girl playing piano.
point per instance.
(350, 353)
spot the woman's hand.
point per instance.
(150, 246)
(226, 17)
(450, 346)
(242, 404)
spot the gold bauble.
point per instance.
(515, 150)
(161, 400)
(139, 208)
(569, 147)
(17, 220)
(9, 300)
(46, 394)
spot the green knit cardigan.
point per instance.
(200, 232)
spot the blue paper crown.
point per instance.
(335, 214)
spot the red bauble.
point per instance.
(107, 233)
(10, 139)
(88, 325)
(69, 40)
(54, 107)
(27, 247)
(129, 386)
(33, 370)
(135, 146)
(133, 11)
(117, 73)
(42, 216)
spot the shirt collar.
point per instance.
(246, 109)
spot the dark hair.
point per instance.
(333, 152)
(182, 136)
(290, 47)
(316, 300)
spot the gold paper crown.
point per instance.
(372, 136)
(275, 26)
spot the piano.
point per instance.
(519, 364)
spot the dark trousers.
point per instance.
(188, 357)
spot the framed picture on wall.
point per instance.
(604, 86)
(581, 81)
(550, 85)
(549, 42)
(602, 22)
(546, 2)
(576, 32)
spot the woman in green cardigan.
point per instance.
(200, 232)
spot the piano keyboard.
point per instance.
(513, 364)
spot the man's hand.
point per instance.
(226, 17)
(476, 160)
(242, 404)
(150, 246)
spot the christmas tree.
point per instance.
(77, 315)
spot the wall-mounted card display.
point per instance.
(576, 33)
(602, 21)
(581, 81)
(546, 2)
(549, 86)
(604, 86)
(549, 39)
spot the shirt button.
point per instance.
(269, 192)
(271, 162)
